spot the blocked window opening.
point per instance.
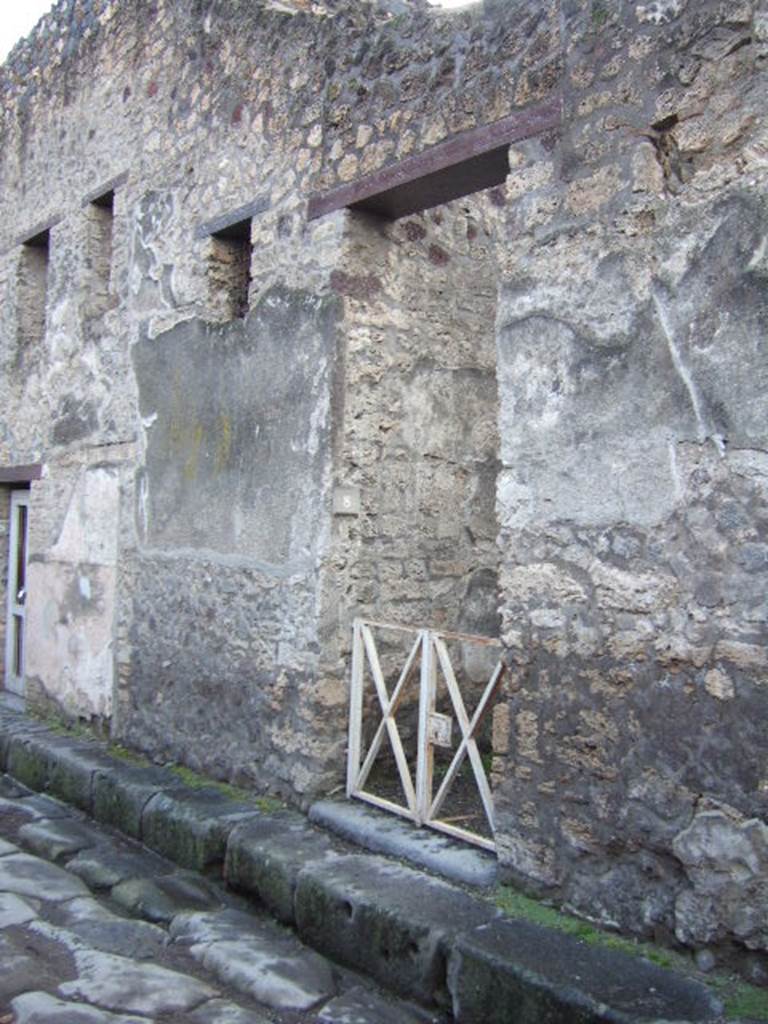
(32, 290)
(229, 270)
(100, 213)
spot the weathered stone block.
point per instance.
(265, 855)
(386, 920)
(191, 826)
(514, 971)
(121, 794)
(13, 724)
(28, 758)
(71, 772)
(725, 856)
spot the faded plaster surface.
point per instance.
(632, 373)
(70, 621)
(231, 537)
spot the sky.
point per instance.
(18, 17)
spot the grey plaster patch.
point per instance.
(14, 910)
(118, 983)
(384, 833)
(258, 959)
(25, 875)
(42, 1008)
(58, 839)
(361, 1007)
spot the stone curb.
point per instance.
(415, 934)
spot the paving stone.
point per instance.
(161, 899)
(25, 875)
(106, 865)
(29, 962)
(191, 827)
(15, 813)
(117, 983)
(264, 857)
(259, 959)
(218, 1011)
(384, 833)
(102, 929)
(14, 910)
(121, 794)
(42, 1008)
(6, 848)
(514, 970)
(391, 922)
(42, 806)
(58, 839)
(359, 1006)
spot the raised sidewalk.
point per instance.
(415, 934)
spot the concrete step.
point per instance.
(422, 937)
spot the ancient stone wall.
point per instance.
(420, 418)
(632, 498)
(139, 139)
(400, 87)
(199, 589)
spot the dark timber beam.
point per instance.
(470, 162)
(20, 474)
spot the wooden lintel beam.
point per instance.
(469, 162)
(21, 474)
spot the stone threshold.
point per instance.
(417, 935)
(394, 837)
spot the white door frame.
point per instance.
(15, 630)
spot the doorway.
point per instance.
(15, 634)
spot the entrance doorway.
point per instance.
(15, 635)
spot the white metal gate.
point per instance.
(429, 655)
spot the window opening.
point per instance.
(101, 215)
(32, 289)
(229, 270)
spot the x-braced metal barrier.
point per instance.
(429, 656)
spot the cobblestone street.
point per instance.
(95, 929)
